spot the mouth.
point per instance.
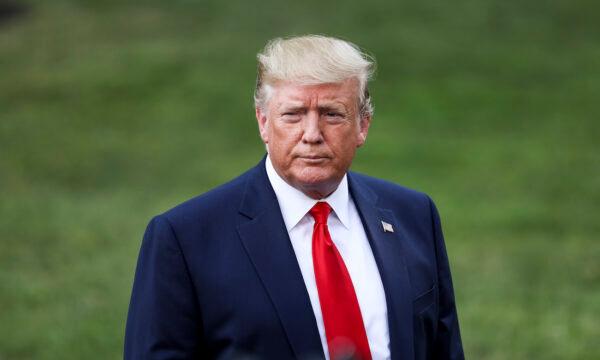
(313, 159)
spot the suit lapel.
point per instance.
(389, 255)
(267, 243)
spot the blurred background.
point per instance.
(114, 111)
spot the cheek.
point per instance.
(344, 143)
(286, 136)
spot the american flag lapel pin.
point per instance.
(387, 227)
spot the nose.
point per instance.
(312, 129)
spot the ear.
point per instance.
(263, 125)
(363, 129)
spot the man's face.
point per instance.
(312, 133)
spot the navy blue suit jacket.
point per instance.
(217, 277)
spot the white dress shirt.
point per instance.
(348, 235)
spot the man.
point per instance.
(298, 258)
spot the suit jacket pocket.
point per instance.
(425, 324)
(425, 300)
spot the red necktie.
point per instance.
(344, 328)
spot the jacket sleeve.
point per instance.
(163, 320)
(448, 344)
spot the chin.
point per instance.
(314, 178)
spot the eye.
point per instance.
(290, 112)
(334, 114)
(290, 116)
(334, 117)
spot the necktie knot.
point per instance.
(320, 212)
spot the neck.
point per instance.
(317, 193)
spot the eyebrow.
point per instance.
(334, 107)
(293, 107)
(322, 108)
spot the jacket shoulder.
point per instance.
(386, 187)
(214, 203)
(392, 195)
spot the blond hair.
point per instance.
(311, 60)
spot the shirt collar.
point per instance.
(295, 204)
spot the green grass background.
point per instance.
(113, 111)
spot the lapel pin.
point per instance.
(387, 227)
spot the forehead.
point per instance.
(345, 92)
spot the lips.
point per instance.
(313, 160)
(313, 157)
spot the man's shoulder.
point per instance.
(382, 186)
(390, 194)
(215, 203)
